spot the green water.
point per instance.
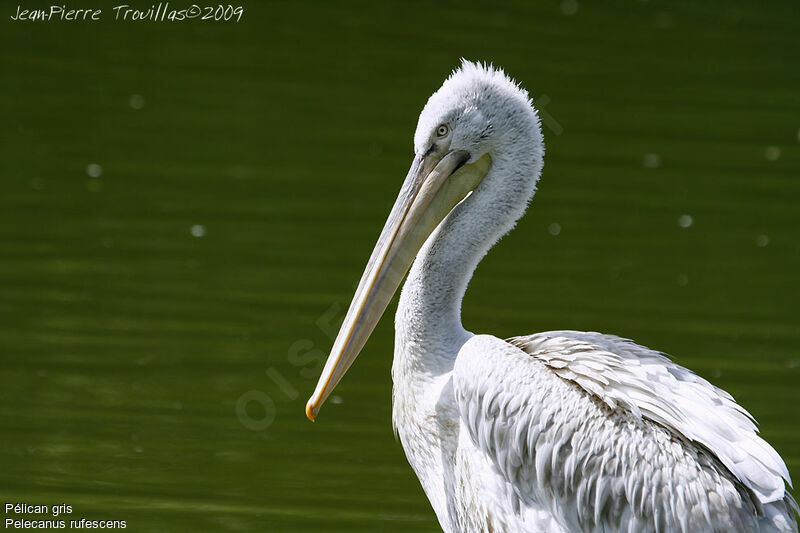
(243, 174)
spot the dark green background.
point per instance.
(127, 343)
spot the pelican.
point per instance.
(562, 431)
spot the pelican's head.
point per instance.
(478, 110)
(478, 123)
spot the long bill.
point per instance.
(435, 184)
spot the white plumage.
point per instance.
(607, 435)
(556, 432)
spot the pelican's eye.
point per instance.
(442, 130)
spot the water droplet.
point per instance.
(198, 230)
(94, 170)
(136, 101)
(335, 399)
(651, 161)
(237, 172)
(685, 221)
(683, 280)
(762, 241)
(554, 229)
(733, 15)
(569, 7)
(772, 153)
(664, 20)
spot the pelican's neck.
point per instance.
(428, 325)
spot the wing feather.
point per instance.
(609, 435)
(625, 375)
